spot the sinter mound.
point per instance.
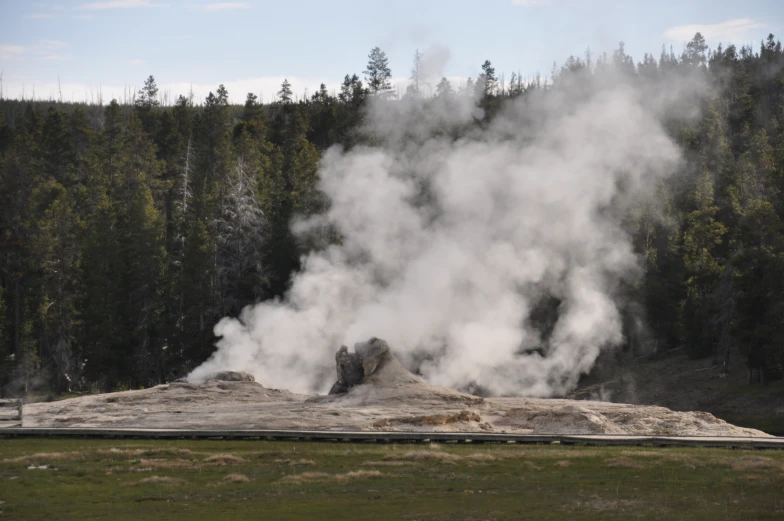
(373, 375)
(373, 392)
(371, 363)
(231, 376)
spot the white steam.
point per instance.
(447, 245)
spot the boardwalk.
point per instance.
(402, 437)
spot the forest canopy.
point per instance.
(127, 231)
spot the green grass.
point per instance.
(265, 480)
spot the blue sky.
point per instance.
(252, 45)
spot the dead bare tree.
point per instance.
(240, 237)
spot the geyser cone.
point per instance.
(372, 373)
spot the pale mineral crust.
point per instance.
(373, 392)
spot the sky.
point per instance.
(80, 49)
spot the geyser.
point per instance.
(447, 244)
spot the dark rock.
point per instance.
(354, 368)
(349, 369)
(337, 388)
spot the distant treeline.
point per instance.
(128, 231)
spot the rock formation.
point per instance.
(231, 376)
(354, 368)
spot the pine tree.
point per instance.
(146, 105)
(759, 290)
(700, 238)
(144, 255)
(102, 334)
(695, 51)
(21, 169)
(444, 89)
(487, 79)
(284, 94)
(55, 248)
(378, 74)
(252, 110)
(324, 111)
(58, 149)
(148, 95)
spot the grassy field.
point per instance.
(49, 479)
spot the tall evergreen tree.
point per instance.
(378, 74)
(284, 94)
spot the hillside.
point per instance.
(682, 384)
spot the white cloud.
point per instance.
(136, 61)
(266, 87)
(38, 16)
(119, 4)
(57, 57)
(51, 44)
(82, 17)
(51, 50)
(226, 6)
(9, 52)
(44, 49)
(530, 2)
(731, 30)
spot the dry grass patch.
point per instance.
(224, 459)
(128, 469)
(567, 453)
(425, 455)
(761, 479)
(622, 462)
(603, 505)
(59, 456)
(156, 480)
(236, 478)
(386, 463)
(128, 453)
(755, 463)
(563, 463)
(362, 474)
(687, 460)
(168, 464)
(339, 478)
(182, 453)
(642, 453)
(295, 463)
(307, 476)
(480, 457)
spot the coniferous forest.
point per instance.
(127, 230)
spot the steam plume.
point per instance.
(447, 245)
